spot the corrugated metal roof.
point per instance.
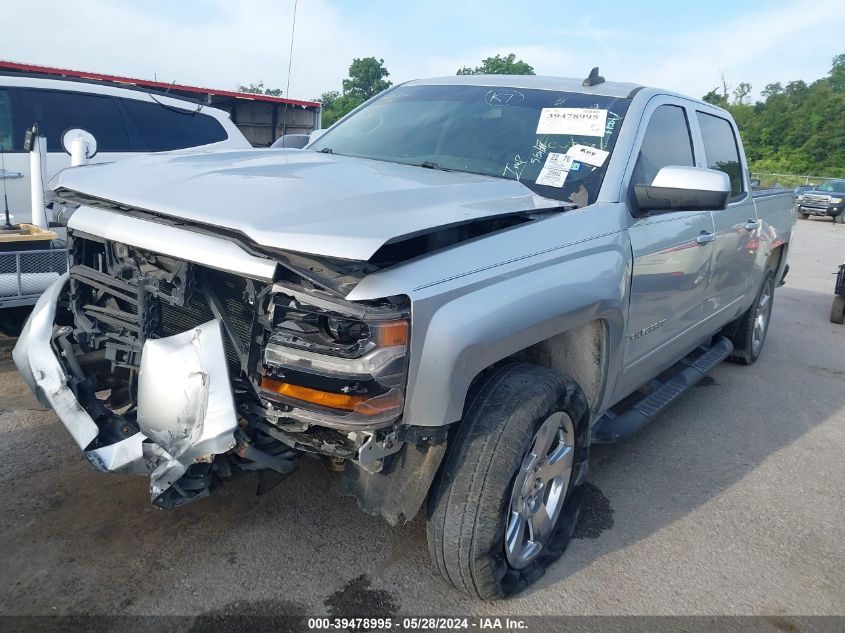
(146, 83)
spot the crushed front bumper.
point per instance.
(186, 411)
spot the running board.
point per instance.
(612, 427)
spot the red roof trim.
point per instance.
(151, 84)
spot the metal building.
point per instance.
(261, 118)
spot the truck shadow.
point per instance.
(304, 544)
(714, 436)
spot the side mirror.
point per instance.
(684, 189)
(295, 141)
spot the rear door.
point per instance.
(672, 255)
(737, 227)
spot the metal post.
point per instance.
(18, 269)
(37, 168)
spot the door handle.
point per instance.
(705, 238)
(752, 225)
(8, 175)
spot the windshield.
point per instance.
(832, 185)
(556, 143)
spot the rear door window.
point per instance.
(722, 151)
(163, 127)
(56, 111)
(667, 141)
(6, 135)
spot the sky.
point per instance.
(681, 46)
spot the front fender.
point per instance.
(480, 301)
(467, 331)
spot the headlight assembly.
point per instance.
(836, 201)
(339, 364)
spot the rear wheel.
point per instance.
(506, 502)
(837, 310)
(753, 326)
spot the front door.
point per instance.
(672, 255)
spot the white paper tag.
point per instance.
(588, 155)
(554, 171)
(575, 121)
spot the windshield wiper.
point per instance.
(427, 164)
(326, 150)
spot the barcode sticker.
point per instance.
(575, 121)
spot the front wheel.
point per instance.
(803, 216)
(506, 502)
(839, 219)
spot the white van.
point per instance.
(124, 122)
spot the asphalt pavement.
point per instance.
(732, 502)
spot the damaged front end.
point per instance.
(174, 368)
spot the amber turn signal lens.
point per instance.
(392, 333)
(314, 396)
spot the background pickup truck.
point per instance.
(827, 200)
(449, 295)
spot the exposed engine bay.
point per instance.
(190, 353)
(307, 371)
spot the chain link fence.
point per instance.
(24, 275)
(789, 181)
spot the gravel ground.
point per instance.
(731, 503)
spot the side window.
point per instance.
(57, 111)
(721, 150)
(667, 141)
(164, 127)
(6, 136)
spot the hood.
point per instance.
(300, 200)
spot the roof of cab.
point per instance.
(538, 82)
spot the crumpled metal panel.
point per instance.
(185, 402)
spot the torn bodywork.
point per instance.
(171, 368)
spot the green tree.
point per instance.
(715, 98)
(329, 99)
(771, 90)
(499, 65)
(259, 89)
(367, 78)
(837, 73)
(795, 127)
(741, 92)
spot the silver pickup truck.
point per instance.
(447, 296)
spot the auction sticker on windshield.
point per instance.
(554, 171)
(575, 121)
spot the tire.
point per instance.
(839, 219)
(489, 458)
(837, 310)
(803, 216)
(750, 334)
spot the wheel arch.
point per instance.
(569, 316)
